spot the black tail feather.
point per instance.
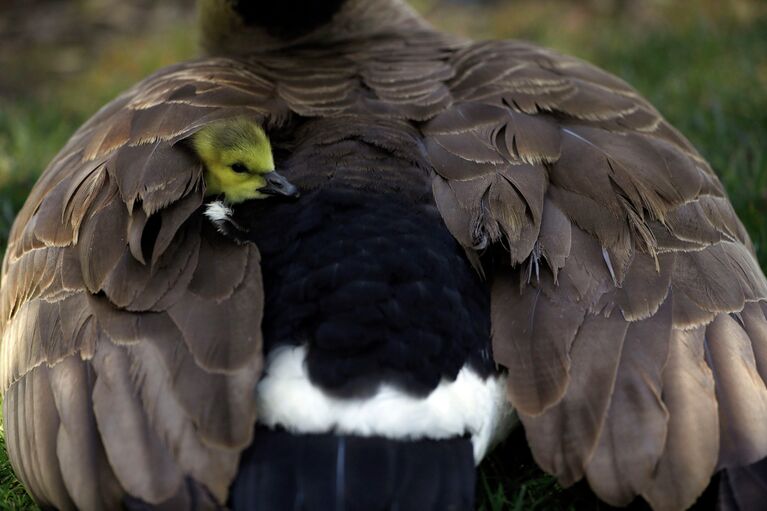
(743, 488)
(348, 473)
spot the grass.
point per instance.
(704, 68)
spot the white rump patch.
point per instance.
(469, 405)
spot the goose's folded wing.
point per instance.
(629, 307)
(130, 328)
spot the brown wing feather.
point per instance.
(633, 307)
(635, 428)
(740, 392)
(692, 439)
(114, 285)
(94, 486)
(565, 436)
(35, 421)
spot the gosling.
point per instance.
(237, 164)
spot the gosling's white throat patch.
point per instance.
(222, 216)
(218, 212)
(469, 405)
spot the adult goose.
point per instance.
(481, 226)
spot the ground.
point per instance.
(705, 69)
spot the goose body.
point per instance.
(491, 214)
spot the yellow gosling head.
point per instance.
(238, 163)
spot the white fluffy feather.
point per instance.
(218, 211)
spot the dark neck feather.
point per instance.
(253, 26)
(287, 18)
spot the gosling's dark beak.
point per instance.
(276, 184)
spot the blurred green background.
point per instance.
(702, 63)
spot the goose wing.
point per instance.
(130, 329)
(628, 308)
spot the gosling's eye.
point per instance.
(240, 168)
